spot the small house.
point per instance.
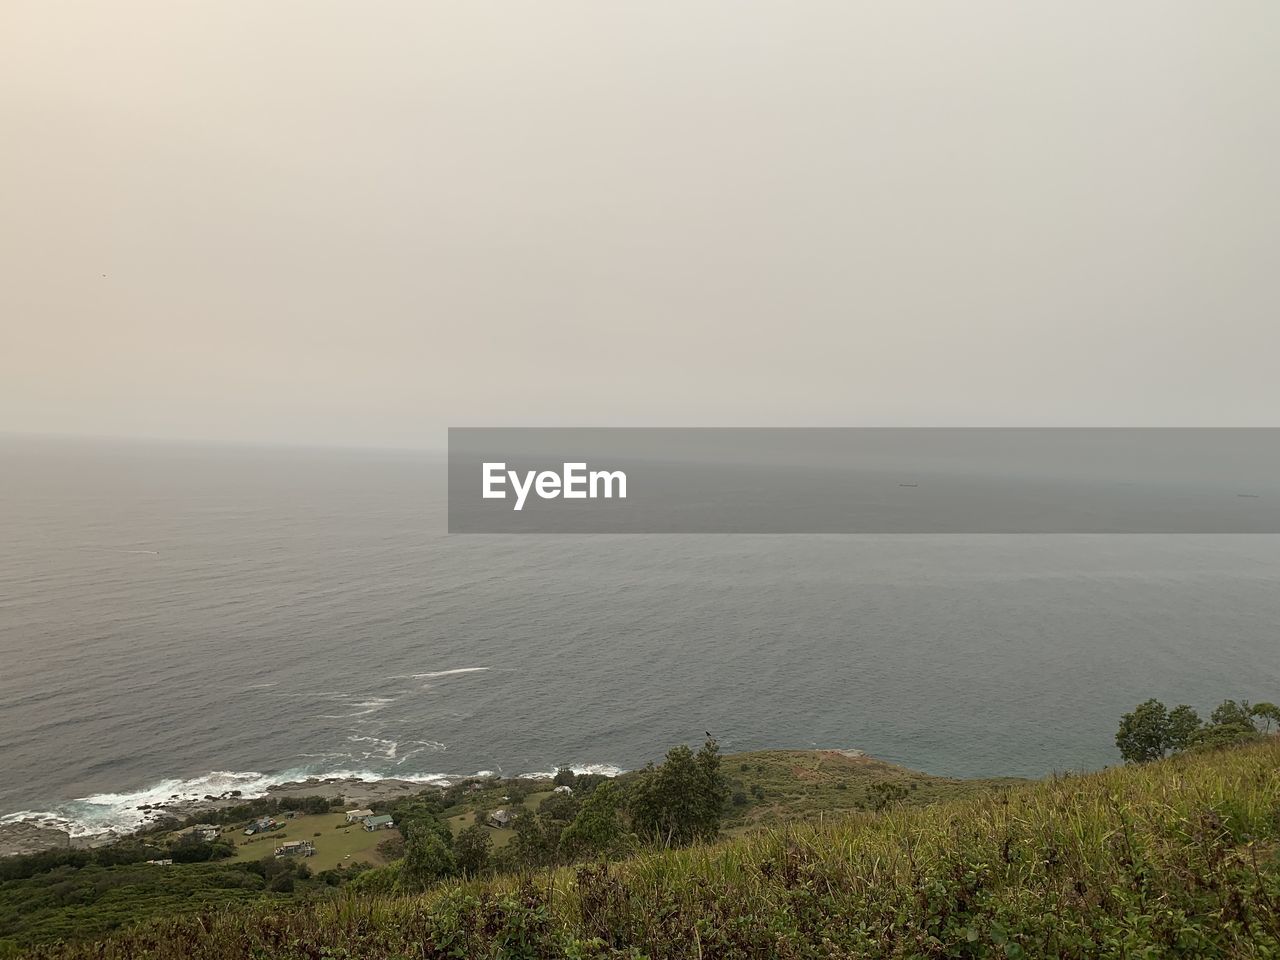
(204, 831)
(383, 822)
(501, 818)
(296, 848)
(356, 815)
(260, 826)
(563, 788)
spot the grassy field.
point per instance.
(778, 786)
(1172, 859)
(500, 836)
(338, 844)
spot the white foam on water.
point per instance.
(107, 814)
(441, 673)
(385, 749)
(603, 769)
(103, 813)
(361, 708)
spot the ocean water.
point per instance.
(186, 620)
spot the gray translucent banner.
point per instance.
(715, 480)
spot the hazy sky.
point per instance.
(353, 222)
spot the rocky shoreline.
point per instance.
(24, 837)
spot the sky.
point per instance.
(307, 221)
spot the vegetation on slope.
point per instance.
(1168, 859)
(772, 787)
(86, 894)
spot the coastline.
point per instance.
(34, 833)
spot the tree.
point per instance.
(1223, 735)
(1151, 731)
(565, 777)
(684, 799)
(282, 883)
(1232, 714)
(713, 789)
(536, 841)
(883, 794)
(597, 830)
(427, 858)
(1144, 734)
(189, 849)
(471, 850)
(559, 806)
(420, 813)
(1182, 727)
(1268, 713)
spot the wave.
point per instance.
(603, 769)
(362, 708)
(441, 673)
(385, 749)
(119, 813)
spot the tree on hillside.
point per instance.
(559, 806)
(1151, 731)
(884, 794)
(1229, 713)
(1143, 734)
(417, 811)
(471, 850)
(598, 830)
(427, 856)
(1223, 735)
(538, 832)
(684, 799)
(714, 787)
(1147, 733)
(536, 842)
(1229, 724)
(1268, 713)
(1182, 727)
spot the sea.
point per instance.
(182, 620)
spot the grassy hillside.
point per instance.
(1174, 859)
(772, 787)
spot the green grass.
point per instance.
(1175, 859)
(338, 844)
(501, 836)
(809, 784)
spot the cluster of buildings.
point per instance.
(293, 848)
